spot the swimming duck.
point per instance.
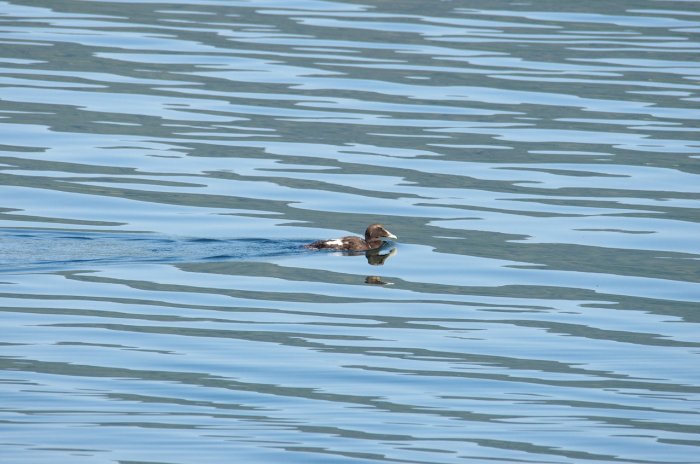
(374, 238)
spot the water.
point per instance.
(162, 163)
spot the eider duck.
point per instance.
(374, 238)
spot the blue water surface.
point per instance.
(162, 164)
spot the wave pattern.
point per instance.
(160, 164)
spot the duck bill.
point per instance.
(390, 235)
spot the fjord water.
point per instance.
(162, 162)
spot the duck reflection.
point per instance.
(377, 258)
(376, 280)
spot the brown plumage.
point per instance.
(374, 238)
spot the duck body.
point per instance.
(374, 238)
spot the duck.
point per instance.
(375, 235)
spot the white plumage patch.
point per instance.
(336, 242)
